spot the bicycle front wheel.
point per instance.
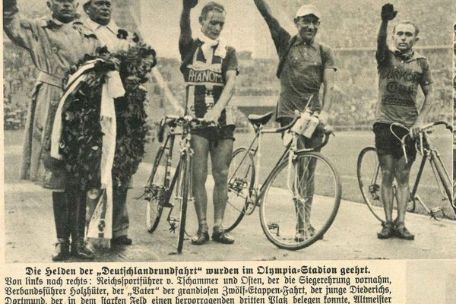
(240, 183)
(444, 178)
(369, 180)
(181, 201)
(300, 201)
(155, 191)
(453, 202)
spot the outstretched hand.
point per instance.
(9, 4)
(189, 4)
(388, 12)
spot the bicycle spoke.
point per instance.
(295, 216)
(241, 177)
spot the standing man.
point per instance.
(304, 65)
(210, 69)
(99, 21)
(55, 44)
(400, 71)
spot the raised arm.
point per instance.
(185, 37)
(18, 29)
(279, 35)
(388, 13)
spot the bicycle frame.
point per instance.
(254, 149)
(185, 155)
(431, 154)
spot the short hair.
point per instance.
(86, 5)
(417, 30)
(212, 6)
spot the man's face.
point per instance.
(100, 11)
(404, 37)
(213, 24)
(307, 26)
(63, 10)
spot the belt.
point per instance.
(52, 80)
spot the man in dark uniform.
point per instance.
(209, 68)
(401, 70)
(303, 67)
(55, 44)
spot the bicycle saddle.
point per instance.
(258, 120)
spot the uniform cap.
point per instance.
(308, 9)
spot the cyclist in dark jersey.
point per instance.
(400, 70)
(305, 65)
(210, 68)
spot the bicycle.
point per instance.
(369, 174)
(302, 183)
(168, 189)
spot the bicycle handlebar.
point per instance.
(281, 129)
(176, 120)
(437, 123)
(421, 134)
(425, 127)
(326, 133)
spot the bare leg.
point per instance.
(387, 164)
(402, 175)
(200, 146)
(221, 158)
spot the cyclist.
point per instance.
(400, 70)
(209, 68)
(303, 67)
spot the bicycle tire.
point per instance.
(154, 208)
(453, 204)
(369, 181)
(368, 172)
(185, 184)
(318, 189)
(444, 179)
(240, 184)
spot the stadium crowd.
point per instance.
(355, 91)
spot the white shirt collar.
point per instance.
(111, 26)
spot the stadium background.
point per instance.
(349, 27)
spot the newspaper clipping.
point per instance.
(228, 151)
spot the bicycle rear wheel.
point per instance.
(241, 177)
(155, 191)
(369, 180)
(300, 201)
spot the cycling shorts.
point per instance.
(214, 134)
(388, 144)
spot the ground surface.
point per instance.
(30, 230)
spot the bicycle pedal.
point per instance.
(435, 211)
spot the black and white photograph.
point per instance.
(228, 130)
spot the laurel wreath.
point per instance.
(82, 138)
